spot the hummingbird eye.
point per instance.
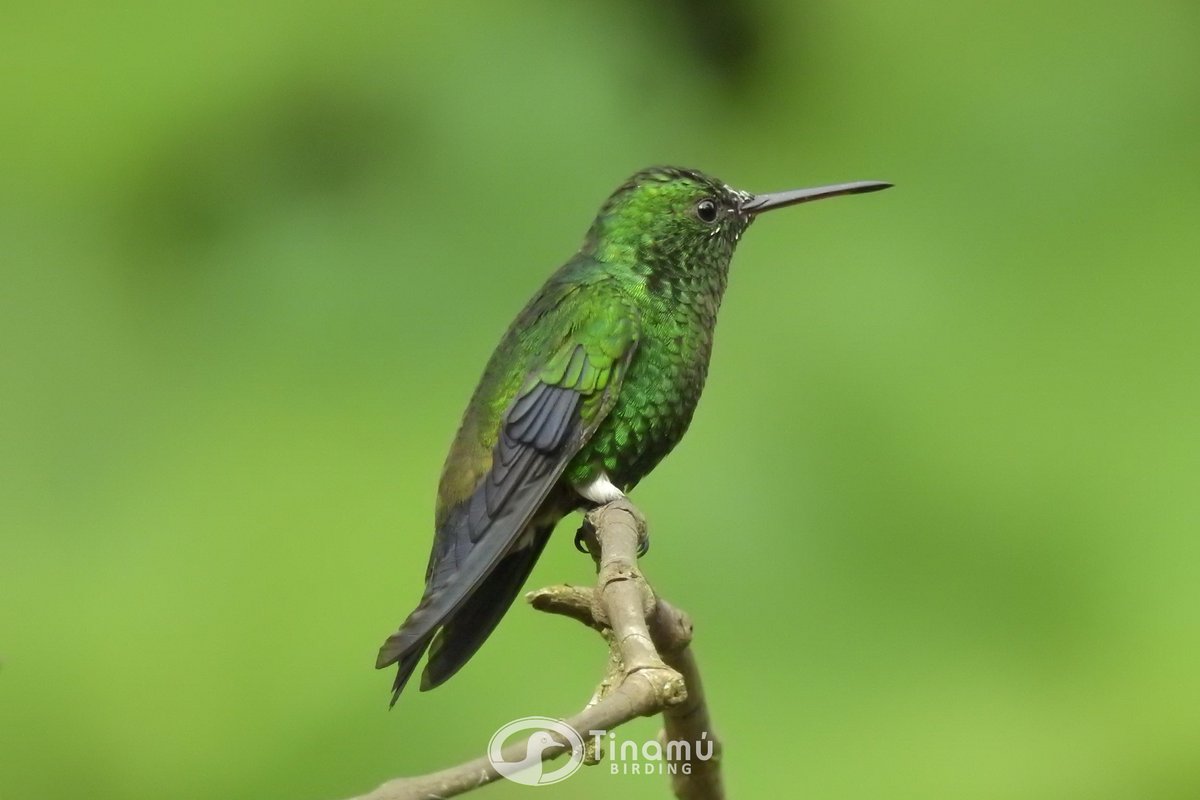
(706, 210)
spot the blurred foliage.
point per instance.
(940, 495)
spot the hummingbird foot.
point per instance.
(602, 487)
(643, 544)
(581, 537)
(601, 491)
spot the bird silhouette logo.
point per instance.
(526, 761)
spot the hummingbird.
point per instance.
(591, 386)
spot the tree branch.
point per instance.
(651, 670)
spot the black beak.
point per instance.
(765, 202)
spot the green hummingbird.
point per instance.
(592, 385)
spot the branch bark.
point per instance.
(651, 669)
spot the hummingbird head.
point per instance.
(671, 221)
(667, 216)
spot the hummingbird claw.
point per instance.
(585, 533)
(581, 541)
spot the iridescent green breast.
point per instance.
(662, 387)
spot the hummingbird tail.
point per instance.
(465, 631)
(406, 662)
(458, 565)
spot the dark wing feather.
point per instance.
(473, 622)
(542, 429)
(477, 533)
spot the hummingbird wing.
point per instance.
(572, 345)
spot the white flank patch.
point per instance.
(600, 490)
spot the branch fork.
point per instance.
(650, 669)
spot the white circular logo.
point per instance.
(529, 769)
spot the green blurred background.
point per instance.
(936, 518)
